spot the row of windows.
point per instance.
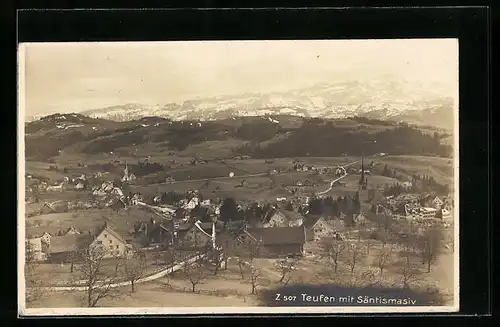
(116, 246)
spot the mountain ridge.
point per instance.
(387, 99)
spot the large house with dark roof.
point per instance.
(317, 227)
(279, 241)
(62, 248)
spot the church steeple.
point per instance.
(362, 178)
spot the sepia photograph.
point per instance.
(212, 177)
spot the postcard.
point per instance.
(197, 177)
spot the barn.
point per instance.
(279, 241)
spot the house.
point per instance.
(62, 248)
(54, 207)
(279, 241)
(35, 249)
(135, 199)
(111, 241)
(152, 232)
(438, 203)
(45, 238)
(427, 212)
(293, 218)
(444, 214)
(278, 219)
(361, 219)
(80, 186)
(116, 204)
(192, 236)
(72, 231)
(407, 184)
(192, 203)
(316, 227)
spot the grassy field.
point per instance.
(439, 168)
(227, 288)
(87, 220)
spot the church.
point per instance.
(126, 177)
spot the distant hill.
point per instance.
(263, 136)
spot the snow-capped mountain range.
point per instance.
(381, 99)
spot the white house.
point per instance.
(276, 220)
(438, 203)
(407, 184)
(191, 204)
(428, 212)
(34, 249)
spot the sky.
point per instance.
(73, 77)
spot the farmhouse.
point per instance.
(152, 232)
(316, 227)
(276, 220)
(110, 240)
(192, 236)
(428, 212)
(72, 231)
(438, 203)
(361, 219)
(62, 248)
(444, 214)
(279, 241)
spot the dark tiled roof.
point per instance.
(279, 235)
(69, 243)
(311, 220)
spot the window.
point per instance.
(105, 235)
(117, 247)
(110, 241)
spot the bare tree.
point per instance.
(286, 267)
(134, 269)
(93, 270)
(429, 244)
(72, 257)
(354, 256)
(384, 257)
(217, 257)
(196, 273)
(332, 251)
(255, 274)
(171, 256)
(409, 271)
(246, 253)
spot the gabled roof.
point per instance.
(279, 235)
(110, 231)
(68, 243)
(311, 220)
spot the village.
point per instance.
(174, 227)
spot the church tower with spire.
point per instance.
(125, 173)
(362, 180)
